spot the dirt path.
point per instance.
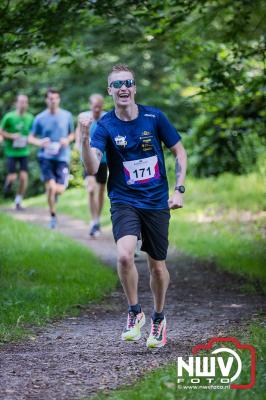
(76, 357)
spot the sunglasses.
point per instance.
(118, 84)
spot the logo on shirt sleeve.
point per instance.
(150, 115)
(120, 141)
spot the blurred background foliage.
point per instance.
(202, 62)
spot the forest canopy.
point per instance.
(202, 62)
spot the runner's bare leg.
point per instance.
(159, 281)
(51, 192)
(92, 200)
(11, 178)
(101, 190)
(126, 267)
(23, 182)
(52, 189)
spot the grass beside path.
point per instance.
(224, 221)
(43, 275)
(162, 383)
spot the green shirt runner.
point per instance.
(12, 122)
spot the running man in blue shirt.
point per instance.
(95, 185)
(53, 131)
(132, 136)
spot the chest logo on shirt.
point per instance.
(146, 133)
(120, 141)
(146, 141)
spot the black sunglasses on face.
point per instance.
(118, 84)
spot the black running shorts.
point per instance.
(12, 164)
(101, 175)
(149, 225)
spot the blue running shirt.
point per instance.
(54, 126)
(135, 158)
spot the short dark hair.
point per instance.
(51, 90)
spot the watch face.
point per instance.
(181, 189)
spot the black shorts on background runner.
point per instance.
(12, 164)
(149, 225)
(101, 175)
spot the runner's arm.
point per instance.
(172, 139)
(38, 142)
(78, 133)
(91, 156)
(71, 137)
(35, 132)
(180, 162)
(3, 131)
(67, 140)
(176, 200)
(78, 137)
(11, 136)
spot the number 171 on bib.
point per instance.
(141, 171)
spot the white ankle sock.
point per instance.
(18, 199)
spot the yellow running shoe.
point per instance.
(134, 323)
(157, 337)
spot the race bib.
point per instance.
(20, 142)
(52, 149)
(141, 171)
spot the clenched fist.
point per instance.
(85, 124)
(176, 201)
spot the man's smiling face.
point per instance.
(124, 96)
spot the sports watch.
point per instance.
(181, 189)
